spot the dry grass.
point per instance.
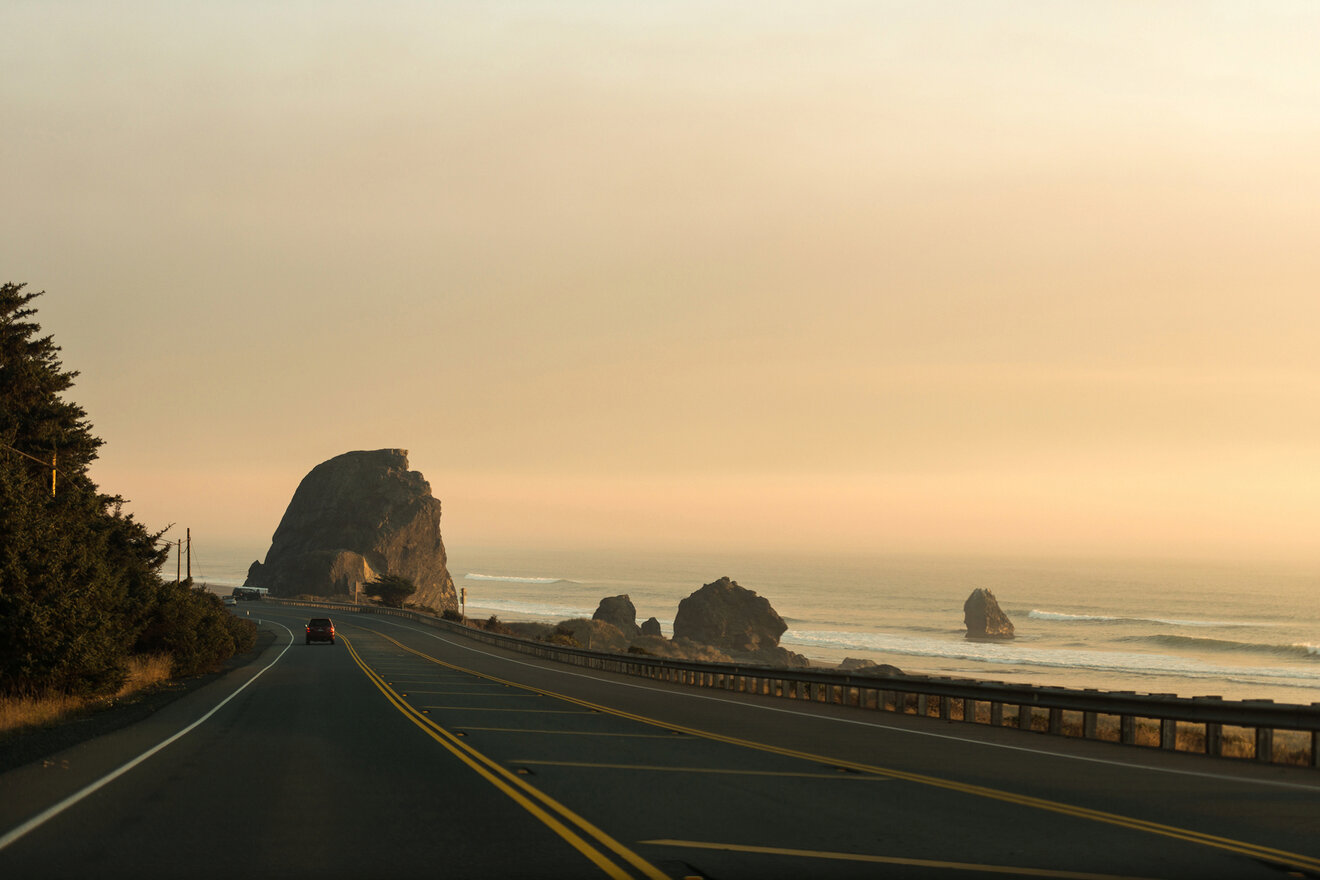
(41, 710)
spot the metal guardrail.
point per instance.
(1026, 707)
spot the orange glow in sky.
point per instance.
(938, 277)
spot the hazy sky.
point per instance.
(1019, 277)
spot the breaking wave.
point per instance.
(1037, 614)
(1192, 643)
(510, 579)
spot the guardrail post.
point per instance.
(1265, 744)
(923, 705)
(1024, 717)
(1090, 724)
(946, 708)
(1214, 731)
(1168, 734)
(1127, 730)
(1264, 738)
(996, 714)
(1056, 721)
(1315, 744)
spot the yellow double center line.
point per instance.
(1251, 850)
(557, 817)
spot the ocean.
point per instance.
(1189, 628)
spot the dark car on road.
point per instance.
(320, 629)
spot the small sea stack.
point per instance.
(985, 620)
(620, 611)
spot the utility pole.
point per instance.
(189, 531)
(53, 471)
(462, 592)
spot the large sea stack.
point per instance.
(353, 518)
(984, 618)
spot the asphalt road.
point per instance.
(401, 751)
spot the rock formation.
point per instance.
(353, 518)
(651, 627)
(620, 611)
(863, 666)
(984, 618)
(729, 617)
(736, 621)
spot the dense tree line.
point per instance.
(80, 589)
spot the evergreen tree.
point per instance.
(391, 589)
(78, 578)
(34, 418)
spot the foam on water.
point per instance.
(510, 579)
(1061, 617)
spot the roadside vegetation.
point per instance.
(84, 612)
(390, 589)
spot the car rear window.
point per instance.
(321, 621)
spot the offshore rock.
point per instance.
(620, 611)
(729, 617)
(651, 627)
(353, 518)
(984, 618)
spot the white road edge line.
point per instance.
(1222, 777)
(51, 812)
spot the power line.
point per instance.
(50, 464)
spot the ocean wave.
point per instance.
(510, 579)
(1036, 614)
(1064, 617)
(1018, 654)
(1194, 643)
(548, 612)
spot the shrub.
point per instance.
(194, 628)
(243, 632)
(423, 609)
(391, 588)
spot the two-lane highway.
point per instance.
(403, 750)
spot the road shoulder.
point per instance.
(23, 747)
